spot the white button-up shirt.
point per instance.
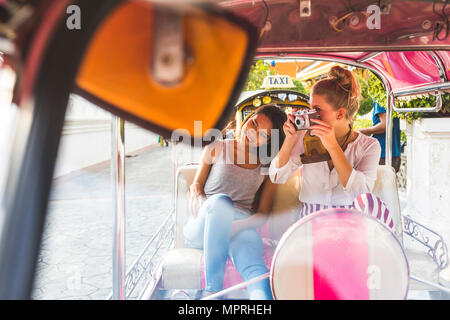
(322, 186)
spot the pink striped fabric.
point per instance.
(374, 206)
(308, 208)
(366, 203)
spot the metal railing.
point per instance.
(437, 248)
(144, 268)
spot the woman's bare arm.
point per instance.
(196, 193)
(206, 161)
(292, 136)
(378, 128)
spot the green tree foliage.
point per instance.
(258, 71)
(299, 87)
(365, 106)
(375, 89)
(361, 123)
(366, 103)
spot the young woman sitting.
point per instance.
(345, 180)
(222, 221)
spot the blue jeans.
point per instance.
(210, 231)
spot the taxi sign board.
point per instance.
(271, 82)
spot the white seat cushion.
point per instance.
(182, 269)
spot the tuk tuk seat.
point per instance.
(182, 266)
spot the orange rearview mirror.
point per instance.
(164, 68)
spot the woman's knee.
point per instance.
(219, 204)
(219, 198)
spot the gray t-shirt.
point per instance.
(240, 184)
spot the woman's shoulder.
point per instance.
(216, 143)
(216, 148)
(367, 143)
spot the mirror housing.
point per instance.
(164, 67)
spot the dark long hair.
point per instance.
(277, 117)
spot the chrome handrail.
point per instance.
(437, 108)
(369, 56)
(237, 286)
(440, 66)
(431, 284)
(180, 291)
(118, 190)
(422, 89)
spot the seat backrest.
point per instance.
(386, 188)
(284, 210)
(184, 177)
(286, 206)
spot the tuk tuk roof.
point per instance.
(408, 49)
(404, 70)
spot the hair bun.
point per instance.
(343, 76)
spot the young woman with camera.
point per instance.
(222, 221)
(347, 178)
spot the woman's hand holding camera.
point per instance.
(290, 131)
(292, 137)
(325, 132)
(196, 197)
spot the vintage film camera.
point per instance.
(314, 149)
(302, 118)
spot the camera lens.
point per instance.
(299, 122)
